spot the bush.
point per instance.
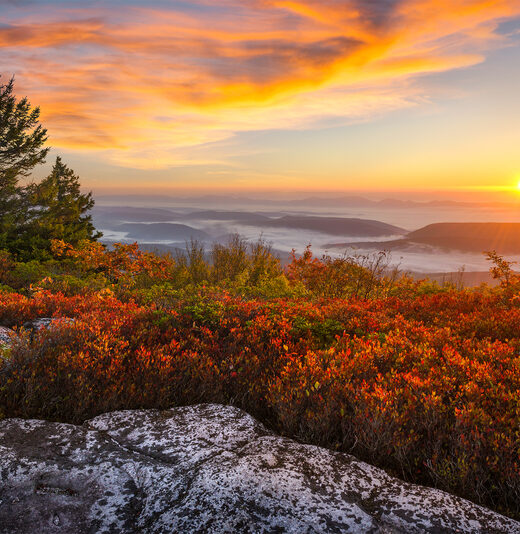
(427, 387)
(420, 379)
(357, 275)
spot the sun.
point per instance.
(518, 185)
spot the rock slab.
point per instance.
(206, 469)
(6, 337)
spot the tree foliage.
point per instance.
(31, 216)
(21, 136)
(56, 210)
(21, 149)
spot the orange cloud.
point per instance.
(148, 87)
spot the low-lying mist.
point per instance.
(329, 229)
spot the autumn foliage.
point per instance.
(421, 380)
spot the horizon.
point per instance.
(407, 98)
(486, 197)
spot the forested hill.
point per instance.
(336, 225)
(471, 237)
(504, 238)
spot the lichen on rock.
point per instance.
(206, 468)
(6, 337)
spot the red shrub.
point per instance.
(427, 387)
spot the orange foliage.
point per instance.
(427, 387)
(122, 263)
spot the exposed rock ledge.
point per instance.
(206, 468)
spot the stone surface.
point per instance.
(6, 337)
(45, 322)
(206, 468)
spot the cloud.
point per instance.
(148, 86)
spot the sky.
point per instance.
(274, 95)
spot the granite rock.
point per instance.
(6, 337)
(206, 469)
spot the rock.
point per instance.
(46, 322)
(206, 469)
(34, 326)
(6, 337)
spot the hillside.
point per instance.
(464, 237)
(166, 231)
(336, 225)
(470, 237)
(216, 215)
(113, 214)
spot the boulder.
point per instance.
(6, 337)
(45, 322)
(206, 469)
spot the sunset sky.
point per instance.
(292, 95)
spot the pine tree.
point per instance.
(56, 210)
(21, 135)
(21, 149)
(32, 216)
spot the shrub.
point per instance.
(423, 383)
(357, 275)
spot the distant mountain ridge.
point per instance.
(160, 224)
(464, 237)
(163, 231)
(336, 225)
(217, 215)
(346, 201)
(103, 214)
(143, 222)
(502, 237)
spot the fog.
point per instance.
(248, 220)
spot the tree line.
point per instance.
(32, 214)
